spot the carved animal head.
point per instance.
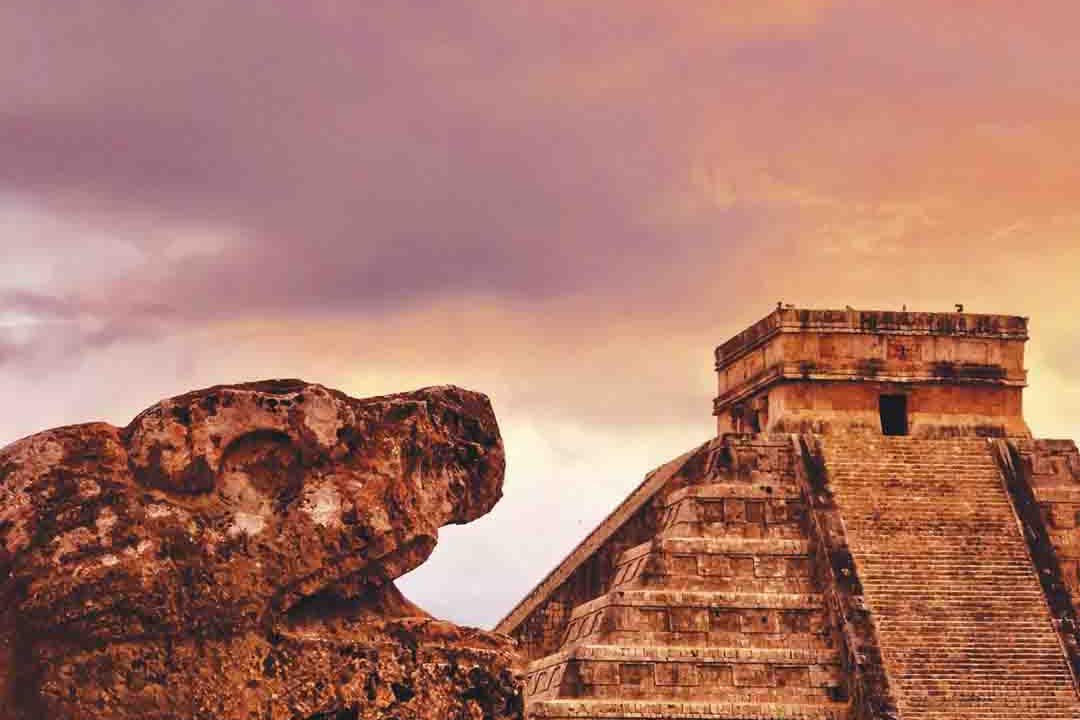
(226, 506)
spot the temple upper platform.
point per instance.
(895, 373)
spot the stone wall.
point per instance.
(823, 370)
(1043, 477)
(539, 621)
(934, 410)
(856, 355)
(719, 614)
(1052, 469)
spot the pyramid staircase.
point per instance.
(718, 616)
(962, 620)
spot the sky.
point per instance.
(564, 205)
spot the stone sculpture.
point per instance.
(231, 554)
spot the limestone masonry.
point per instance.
(873, 533)
(821, 370)
(230, 555)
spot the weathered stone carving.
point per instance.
(231, 554)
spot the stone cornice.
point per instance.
(919, 374)
(880, 322)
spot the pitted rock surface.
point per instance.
(231, 554)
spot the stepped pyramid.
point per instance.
(871, 534)
(718, 615)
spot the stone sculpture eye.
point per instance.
(261, 474)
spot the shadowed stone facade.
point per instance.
(872, 534)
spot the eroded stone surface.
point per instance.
(231, 552)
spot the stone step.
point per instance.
(696, 617)
(719, 546)
(960, 613)
(723, 563)
(689, 673)
(745, 491)
(994, 565)
(734, 509)
(638, 709)
(676, 653)
(819, 638)
(701, 599)
(716, 616)
(919, 458)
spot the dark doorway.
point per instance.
(894, 415)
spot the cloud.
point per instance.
(566, 205)
(366, 158)
(41, 333)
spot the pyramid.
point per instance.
(873, 533)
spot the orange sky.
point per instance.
(565, 205)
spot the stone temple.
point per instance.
(873, 533)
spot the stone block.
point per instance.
(734, 510)
(677, 673)
(684, 565)
(1073, 463)
(635, 673)
(685, 619)
(795, 621)
(655, 619)
(716, 676)
(792, 676)
(755, 511)
(759, 621)
(798, 566)
(716, 566)
(713, 511)
(1041, 464)
(826, 675)
(770, 567)
(599, 673)
(1063, 515)
(776, 512)
(722, 620)
(753, 675)
(743, 565)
